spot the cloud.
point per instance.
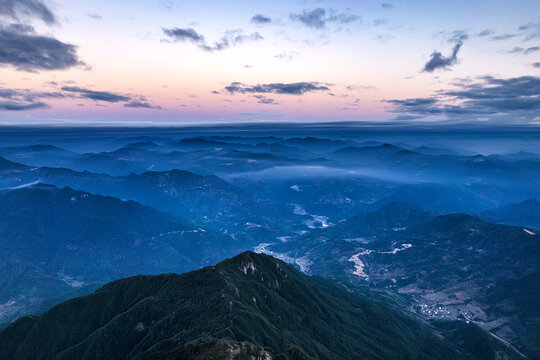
(503, 37)
(496, 88)
(25, 50)
(485, 33)
(141, 105)
(387, 6)
(457, 36)
(139, 102)
(532, 36)
(317, 18)
(15, 9)
(261, 19)
(231, 38)
(343, 18)
(95, 16)
(27, 99)
(359, 87)
(529, 26)
(264, 100)
(536, 64)
(384, 37)
(299, 88)
(311, 18)
(413, 103)
(506, 100)
(187, 34)
(286, 55)
(20, 100)
(525, 51)
(27, 95)
(532, 30)
(438, 61)
(96, 95)
(19, 106)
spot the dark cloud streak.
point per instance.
(231, 38)
(96, 95)
(261, 19)
(438, 61)
(525, 51)
(299, 88)
(140, 105)
(19, 106)
(21, 48)
(514, 99)
(15, 9)
(318, 18)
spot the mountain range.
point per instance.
(399, 247)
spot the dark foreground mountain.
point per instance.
(249, 307)
(447, 267)
(57, 243)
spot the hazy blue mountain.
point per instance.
(39, 155)
(358, 153)
(207, 200)
(525, 213)
(56, 242)
(517, 156)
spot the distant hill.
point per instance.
(358, 153)
(205, 199)
(56, 242)
(452, 266)
(39, 155)
(525, 213)
(394, 216)
(248, 307)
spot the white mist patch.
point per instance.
(396, 250)
(71, 281)
(358, 239)
(299, 210)
(358, 266)
(295, 188)
(316, 221)
(529, 232)
(37, 182)
(303, 262)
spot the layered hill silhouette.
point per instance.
(58, 242)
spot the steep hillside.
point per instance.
(249, 303)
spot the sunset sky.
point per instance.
(182, 62)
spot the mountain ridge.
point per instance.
(250, 297)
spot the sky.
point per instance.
(171, 62)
